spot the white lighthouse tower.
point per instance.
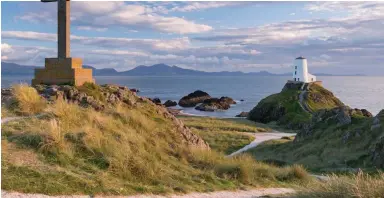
(300, 71)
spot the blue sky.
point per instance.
(336, 37)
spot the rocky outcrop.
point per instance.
(97, 97)
(338, 116)
(242, 114)
(378, 120)
(215, 104)
(170, 103)
(193, 99)
(268, 110)
(378, 154)
(294, 106)
(187, 135)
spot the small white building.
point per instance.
(300, 71)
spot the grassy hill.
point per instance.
(284, 108)
(331, 136)
(106, 140)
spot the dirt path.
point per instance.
(8, 119)
(260, 138)
(219, 194)
(301, 100)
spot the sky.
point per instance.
(335, 37)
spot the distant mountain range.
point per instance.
(12, 69)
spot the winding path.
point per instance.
(260, 138)
(301, 99)
(8, 119)
(254, 193)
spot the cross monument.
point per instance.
(63, 69)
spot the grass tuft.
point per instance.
(28, 101)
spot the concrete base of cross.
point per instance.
(63, 71)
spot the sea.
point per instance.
(363, 92)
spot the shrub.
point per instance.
(28, 101)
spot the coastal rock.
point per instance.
(228, 100)
(242, 114)
(156, 101)
(194, 98)
(135, 90)
(170, 103)
(214, 104)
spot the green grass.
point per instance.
(223, 135)
(325, 150)
(320, 98)
(124, 149)
(292, 116)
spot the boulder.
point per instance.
(214, 104)
(156, 101)
(194, 98)
(228, 100)
(135, 90)
(242, 114)
(170, 103)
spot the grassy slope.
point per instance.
(124, 149)
(325, 150)
(223, 135)
(294, 116)
(288, 99)
(320, 98)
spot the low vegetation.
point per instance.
(284, 107)
(122, 149)
(351, 186)
(223, 135)
(336, 148)
(27, 100)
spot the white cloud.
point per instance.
(88, 28)
(99, 15)
(29, 35)
(194, 6)
(155, 44)
(6, 48)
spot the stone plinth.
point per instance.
(63, 71)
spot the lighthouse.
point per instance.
(300, 71)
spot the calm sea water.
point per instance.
(355, 91)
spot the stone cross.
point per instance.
(63, 27)
(63, 69)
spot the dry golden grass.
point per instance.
(29, 102)
(123, 150)
(360, 185)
